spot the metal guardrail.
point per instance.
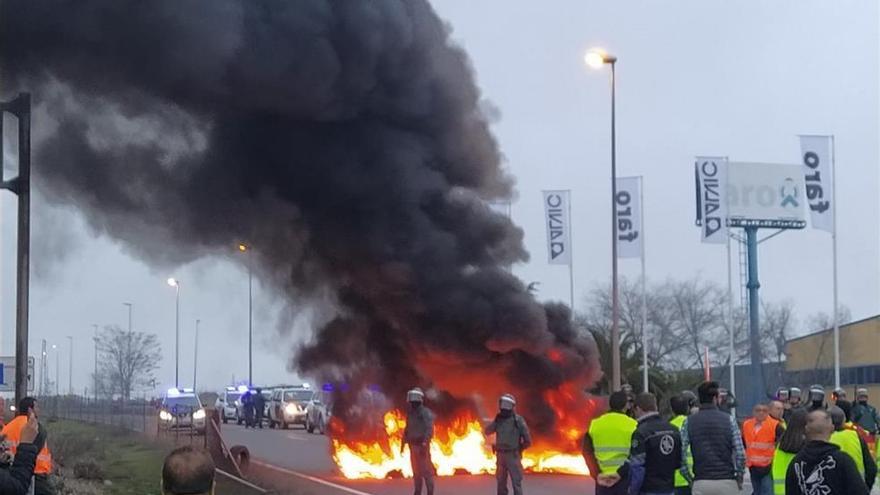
(142, 416)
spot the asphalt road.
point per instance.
(302, 463)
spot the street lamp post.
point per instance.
(597, 59)
(57, 366)
(244, 248)
(173, 282)
(70, 366)
(196, 356)
(96, 361)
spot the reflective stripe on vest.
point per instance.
(781, 460)
(760, 444)
(680, 481)
(848, 441)
(611, 434)
(12, 431)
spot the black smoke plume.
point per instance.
(343, 139)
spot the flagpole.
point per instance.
(834, 264)
(644, 288)
(571, 257)
(730, 322)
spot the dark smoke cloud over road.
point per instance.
(343, 139)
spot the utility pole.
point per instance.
(96, 361)
(44, 370)
(20, 107)
(70, 365)
(196, 357)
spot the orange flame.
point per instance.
(458, 447)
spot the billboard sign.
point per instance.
(7, 376)
(766, 195)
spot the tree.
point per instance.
(127, 359)
(777, 323)
(821, 320)
(684, 318)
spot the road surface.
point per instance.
(303, 465)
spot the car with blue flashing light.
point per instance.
(288, 406)
(181, 409)
(228, 403)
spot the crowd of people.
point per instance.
(787, 446)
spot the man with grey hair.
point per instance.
(820, 467)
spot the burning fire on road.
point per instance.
(459, 446)
(348, 144)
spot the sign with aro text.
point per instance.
(629, 217)
(711, 179)
(556, 216)
(766, 195)
(818, 172)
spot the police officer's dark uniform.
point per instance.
(417, 434)
(655, 455)
(511, 438)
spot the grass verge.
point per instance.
(131, 463)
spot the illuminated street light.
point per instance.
(598, 58)
(244, 248)
(173, 282)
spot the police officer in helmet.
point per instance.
(511, 438)
(817, 398)
(417, 434)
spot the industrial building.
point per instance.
(810, 359)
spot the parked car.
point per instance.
(182, 409)
(318, 413)
(228, 404)
(288, 406)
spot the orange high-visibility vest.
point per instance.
(760, 443)
(13, 435)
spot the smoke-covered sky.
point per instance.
(694, 78)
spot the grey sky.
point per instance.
(695, 77)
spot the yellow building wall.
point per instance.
(859, 346)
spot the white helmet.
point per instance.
(415, 395)
(507, 401)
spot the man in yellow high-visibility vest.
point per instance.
(607, 445)
(681, 408)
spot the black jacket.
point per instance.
(17, 480)
(821, 467)
(715, 441)
(654, 456)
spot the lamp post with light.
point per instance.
(173, 282)
(57, 365)
(244, 248)
(597, 58)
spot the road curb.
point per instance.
(307, 477)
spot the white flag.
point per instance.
(629, 217)
(556, 209)
(712, 198)
(818, 176)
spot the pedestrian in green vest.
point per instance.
(607, 444)
(853, 445)
(791, 442)
(681, 409)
